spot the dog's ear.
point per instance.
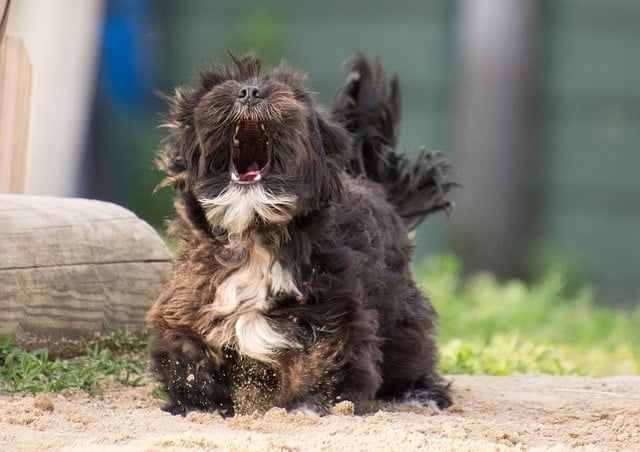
(336, 140)
(333, 147)
(180, 152)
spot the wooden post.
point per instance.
(494, 149)
(15, 95)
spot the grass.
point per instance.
(499, 328)
(118, 356)
(486, 327)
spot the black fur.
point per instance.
(337, 290)
(371, 113)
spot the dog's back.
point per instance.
(369, 108)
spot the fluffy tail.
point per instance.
(371, 112)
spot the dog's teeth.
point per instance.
(235, 176)
(262, 127)
(236, 142)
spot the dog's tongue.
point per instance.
(252, 173)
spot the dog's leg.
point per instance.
(193, 375)
(415, 382)
(337, 366)
(410, 357)
(316, 384)
(359, 379)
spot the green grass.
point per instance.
(118, 356)
(499, 328)
(486, 327)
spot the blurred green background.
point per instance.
(581, 158)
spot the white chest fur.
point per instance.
(247, 293)
(242, 299)
(254, 283)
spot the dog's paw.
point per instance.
(436, 399)
(308, 410)
(175, 409)
(180, 409)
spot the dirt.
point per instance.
(490, 413)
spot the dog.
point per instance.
(293, 288)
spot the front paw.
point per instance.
(308, 409)
(175, 409)
(180, 409)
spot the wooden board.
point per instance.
(15, 92)
(4, 17)
(74, 268)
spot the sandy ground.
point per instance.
(490, 413)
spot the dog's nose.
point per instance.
(249, 95)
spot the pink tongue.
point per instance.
(252, 173)
(248, 176)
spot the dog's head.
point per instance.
(253, 148)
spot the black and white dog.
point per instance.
(293, 288)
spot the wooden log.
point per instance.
(74, 268)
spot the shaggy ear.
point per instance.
(180, 151)
(336, 140)
(333, 147)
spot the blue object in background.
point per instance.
(127, 57)
(123, 136)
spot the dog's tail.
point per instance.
(370, 109)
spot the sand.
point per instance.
(490, 413)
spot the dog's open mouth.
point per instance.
(250, 152)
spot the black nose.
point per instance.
(249, 95)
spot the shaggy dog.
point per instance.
(293, 288)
